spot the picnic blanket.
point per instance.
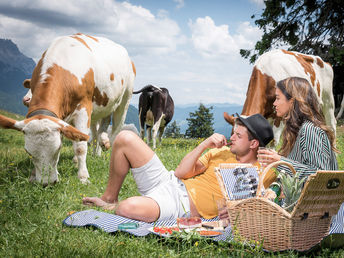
(109, 223)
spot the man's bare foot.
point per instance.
(96, 201)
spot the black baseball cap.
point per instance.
(259, 127)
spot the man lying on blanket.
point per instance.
(193, 188)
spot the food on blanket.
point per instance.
(128, 225)
(165, 230)
(215, 225)
(192, 222)
(209, 233)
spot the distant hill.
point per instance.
(133, 117)
(220, 125)
(14, 69)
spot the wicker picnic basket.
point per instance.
(276, 229)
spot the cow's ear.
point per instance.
(228, 118)
(9, 123)
(73, 134)
(27, 83)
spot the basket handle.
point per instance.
(268, 167)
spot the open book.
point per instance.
(237, 180)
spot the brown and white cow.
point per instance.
(103, 140)
(277, 65)
(80, 80)
(156, 109)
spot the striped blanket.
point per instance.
(109, 223)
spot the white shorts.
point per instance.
(154, 181)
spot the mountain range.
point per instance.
(15, 67)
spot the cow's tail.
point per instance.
(148, 88)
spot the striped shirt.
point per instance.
(311, 152)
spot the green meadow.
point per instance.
(31, 216)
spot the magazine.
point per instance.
(238, 180)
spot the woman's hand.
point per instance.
(270, 156)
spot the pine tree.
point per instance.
(200, 123)
(173, 130)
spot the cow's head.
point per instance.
(43, 142)
(28, 96)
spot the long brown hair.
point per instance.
(305, 106)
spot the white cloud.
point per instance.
(259, 3)
(215, 41)
(203, 67)
(211, 40)
(180, 3)
(133, 26)
(247, 36)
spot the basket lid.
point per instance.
(321, 196)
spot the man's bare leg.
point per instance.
(128, 151)
(139, 208)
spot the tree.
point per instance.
(173, 130)
(200, 123)
(308, 26)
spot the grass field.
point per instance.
(31, 216)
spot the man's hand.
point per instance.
(223, 214)
(190, 165)
(215, 141)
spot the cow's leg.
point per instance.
(75, 158)
(149, 134)
(340, 113)
(94, 141)
(80, 148)
(142, 118)
(155, 129)
(81, 153)
(103, 140)
(161, 132)
(119, 114)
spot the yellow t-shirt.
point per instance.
(204, 189)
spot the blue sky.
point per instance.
(190, 47)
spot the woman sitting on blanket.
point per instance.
(308, 144)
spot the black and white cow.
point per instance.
(156, 109)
